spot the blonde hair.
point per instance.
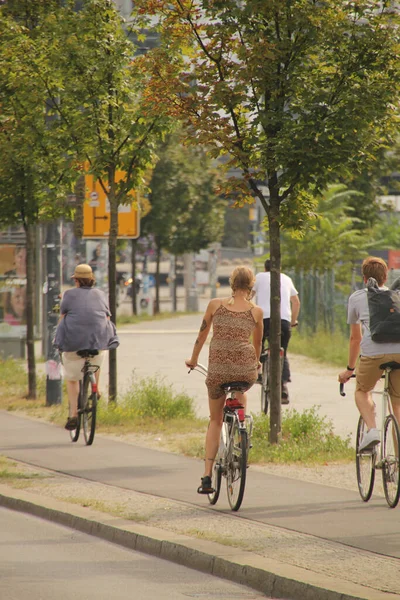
(242, 278)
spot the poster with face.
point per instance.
(12, 290)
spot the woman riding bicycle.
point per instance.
(84, 325)
(232, 356)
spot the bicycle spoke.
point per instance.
(390, 455)
(365, 464)
(236, 467)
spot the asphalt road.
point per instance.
(43, 561)
(323, 511)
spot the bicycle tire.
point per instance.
(264, 386)
(74, 434)
(89, 409)
(365, 465)
(236, 466)
(390, 459)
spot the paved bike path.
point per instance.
(327, 512)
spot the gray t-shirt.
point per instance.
(86, 325)
(358, 312)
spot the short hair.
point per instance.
(267, 265)
(242, 278)
(375, 267)
(85, 282)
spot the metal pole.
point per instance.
(53, 292)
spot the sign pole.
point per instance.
(52, 297)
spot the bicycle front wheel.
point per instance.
(236, 466)
(89, 407)
(390, 459)
(365, 464)
(264, 387)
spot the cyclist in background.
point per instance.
(371, 354)
(290, 308)
(84, 325)
(232, 356)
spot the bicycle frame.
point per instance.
(386, 410)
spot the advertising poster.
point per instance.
(12, 290)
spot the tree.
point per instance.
(296, 93)
(34, 170)
(99, 103)
(186, 212)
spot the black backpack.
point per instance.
(384, 311)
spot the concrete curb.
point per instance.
(267, 576)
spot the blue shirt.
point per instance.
(86, 324)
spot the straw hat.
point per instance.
(83, 272)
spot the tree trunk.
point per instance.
(30, 308)
(174, 288)
(112, 279)
(158, 256)
(275, 323)
(133, 269)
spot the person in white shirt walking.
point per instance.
(290, 308)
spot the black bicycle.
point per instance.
(265, 377)
(87, 400)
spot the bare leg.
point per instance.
(213, 432)
(73, 393)
(242, 398)
(366, 407)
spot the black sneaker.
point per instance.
(285, 394)
(206, 487)
(71, 424)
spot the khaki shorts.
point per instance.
(73, 364)
(369, 373)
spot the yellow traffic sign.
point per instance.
(96, 212)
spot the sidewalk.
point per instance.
(277, 561)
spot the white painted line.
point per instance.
(157, 331)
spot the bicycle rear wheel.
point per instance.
(264, 385)
(216, 475)
(365, 465)
(390, 459)
(89, 407)
(236, 466)
(74, 434)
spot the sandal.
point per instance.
(71, 424)
(206, 487)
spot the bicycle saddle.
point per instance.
(236, 386)
(87, 353)
(391, 365)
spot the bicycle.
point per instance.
(386, 458)
(265, 377)
(232, 457)
(87, 403)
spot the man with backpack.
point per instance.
(372, 347)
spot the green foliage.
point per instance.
(306, 437)
(148, 399)
(186, 212)
(326, 347)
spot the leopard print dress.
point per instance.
(232, 356)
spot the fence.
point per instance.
(323, 305)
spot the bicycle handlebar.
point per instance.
(341, 386)
(200, 368)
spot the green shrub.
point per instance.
(307, 437)
(148, 399)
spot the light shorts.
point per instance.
(73, 364)
(368, 374)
